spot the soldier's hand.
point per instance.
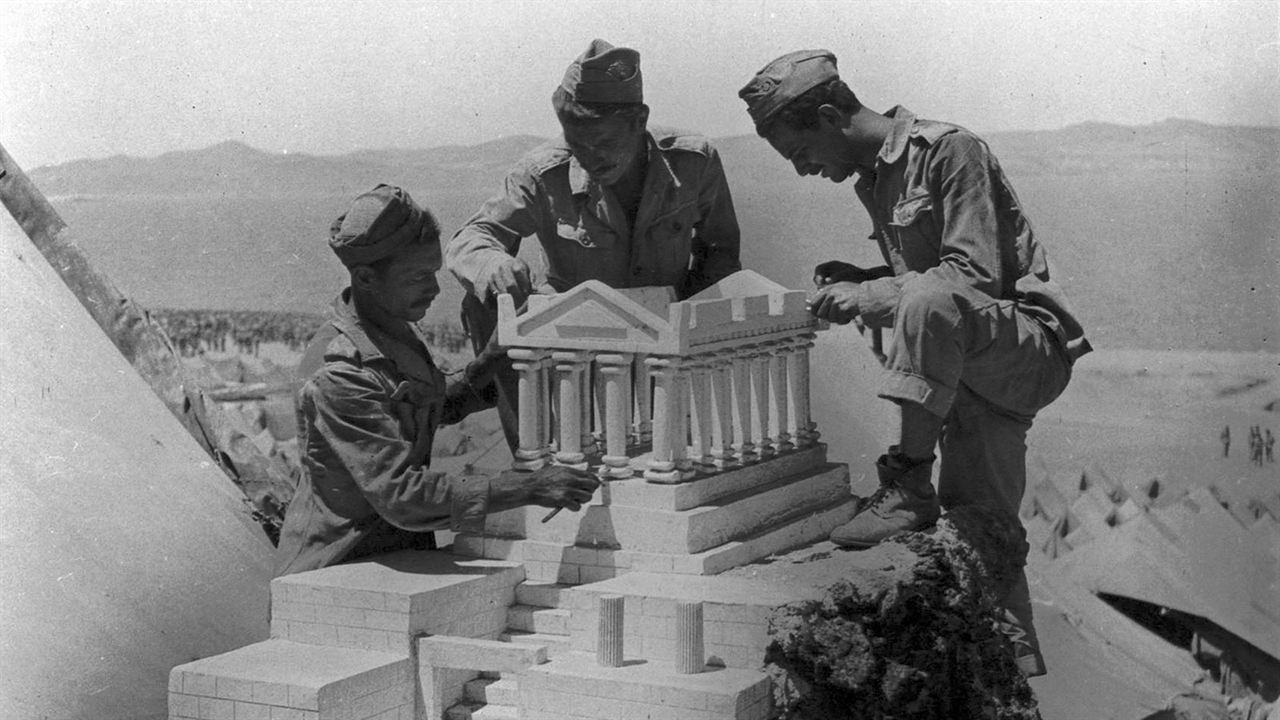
(557, 486)
(510, 275)
(837, 303)
(834, 271)
(480, 371)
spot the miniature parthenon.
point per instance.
(711, 383)
(696, 413)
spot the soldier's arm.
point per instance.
(353, 416)
(963, 186)
(716, 237)
(491, 238)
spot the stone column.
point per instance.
(742, 445)
(586, 390)
(532, 452)
(691, 656)
(642, 425)
(609, 637)
(662, 465)
(615, 371)
(680, 426)
(700, 411)
(569, 369)
(722, 411)
(759, 362)
(803, 431)
(779, 399)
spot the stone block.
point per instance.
(575, 686)
(710, 488)
(381, 603)
(473, 654)
(542, 594)
(281, 678)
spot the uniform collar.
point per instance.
(896, 142)
(372, 343)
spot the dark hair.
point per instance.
(802, 113)
(572, 112)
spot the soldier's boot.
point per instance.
(904, 502)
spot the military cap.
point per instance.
(605, 74)
(786, 79)
(380, 223)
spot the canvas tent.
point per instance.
(126, 551)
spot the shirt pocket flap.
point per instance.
(912, 209)
(582, 237)
(676, 220)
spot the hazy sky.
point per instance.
(97, 78)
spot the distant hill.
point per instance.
(1165, 235)
(235, 169)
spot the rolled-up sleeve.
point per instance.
(494, 231)
(366, 439)
(962, 184)
(717, 238)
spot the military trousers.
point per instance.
(985, 366)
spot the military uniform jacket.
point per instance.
(942, 207)
(366, 421)
(685, 233)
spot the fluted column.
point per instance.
(569, 369)
(742, 445)
(615, 371)
(532, 452)
(803, 431)
(779, 401)
(609, 634)
(700, 411)
(690, 654)
(722, 410)
(759, 364)
(642, 425)
(666, 405)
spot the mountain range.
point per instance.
(1165, 235)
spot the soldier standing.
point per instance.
(613, 200)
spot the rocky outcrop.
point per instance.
(918, 640)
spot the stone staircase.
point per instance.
(539, 618)
(701, 527)
(507, 625)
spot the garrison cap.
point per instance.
(379, 224)
(605, 74)
(786, 79)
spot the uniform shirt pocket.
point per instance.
(912, 210)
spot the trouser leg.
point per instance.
(986, 367)
(480, 320)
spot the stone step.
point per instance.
(542, 594)
(531, 618)
(502, 691)
(481, 711)
(281, 678)
(672, 531)
(548, 562)
(555, 644)
(382, 605)
(637, 492)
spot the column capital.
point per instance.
(528, 354)
(613, 362)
